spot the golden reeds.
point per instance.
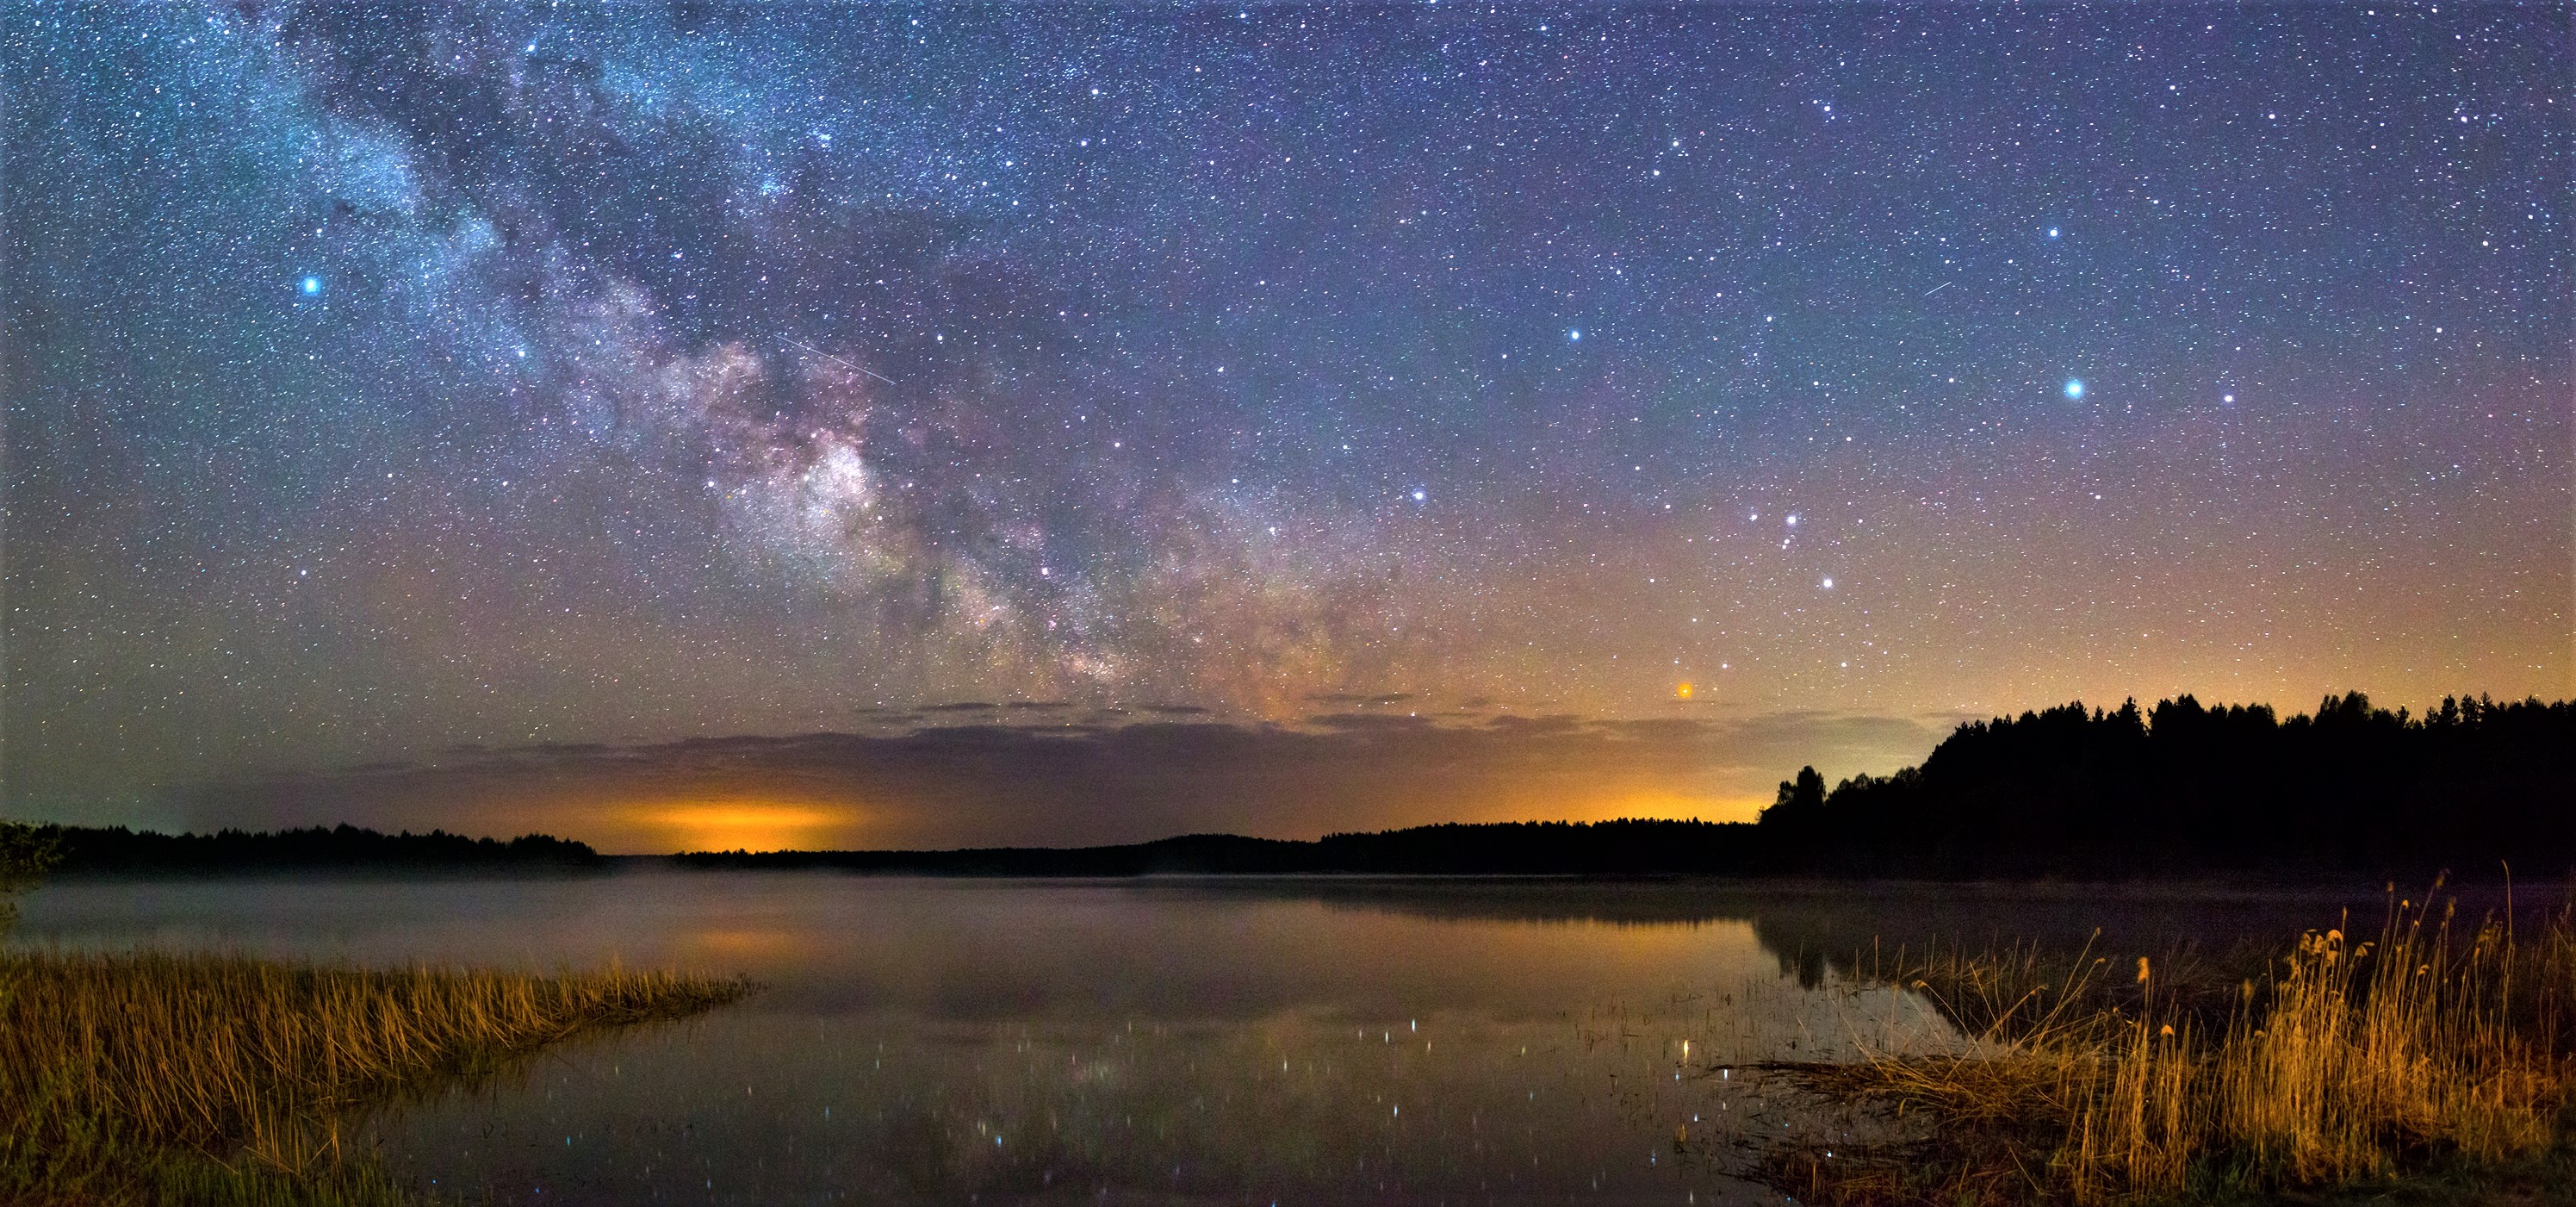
(2345, 1062)
(220, 1055)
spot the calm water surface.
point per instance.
(962, 1041)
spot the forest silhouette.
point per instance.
(2068, 792)
(2183, 788)
(121, 850)
(2072, 793)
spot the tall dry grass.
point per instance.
(124, 1057)
(2344, 1062)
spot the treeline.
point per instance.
(2069, 792)
(1630, 846)
(2182, 789)
(120, 850)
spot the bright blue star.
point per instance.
(311, 286)
(2052, 232)
(2074, 387)
(1575, 335)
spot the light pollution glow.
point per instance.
(385, 384)
(729, 825)
(752, 824)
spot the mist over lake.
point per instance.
(1186, 1040)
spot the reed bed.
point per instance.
(122, 1071)
(2430, 1047)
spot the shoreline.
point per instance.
(2247, 886)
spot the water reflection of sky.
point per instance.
(1173, 1042)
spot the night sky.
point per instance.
(415, 397)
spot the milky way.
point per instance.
(380, 380)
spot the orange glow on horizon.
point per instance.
(1659, 803)
(747, 825)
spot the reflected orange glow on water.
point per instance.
(743, 946)
(930, 1040)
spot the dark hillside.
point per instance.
(1624, 847)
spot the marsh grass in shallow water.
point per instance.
(2343, 1063)
(151, 1077)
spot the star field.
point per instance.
(381, 380)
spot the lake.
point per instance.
(1246, 1041)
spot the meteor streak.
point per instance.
(838, 361)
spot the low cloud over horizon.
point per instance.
(1042, 774)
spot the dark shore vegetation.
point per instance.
(2176, 791)
(2428, 1061)
(1556, 848)
(2183, 789)
(149, 1077)
(118, 850)
(2431, 1062)
(2069, 793)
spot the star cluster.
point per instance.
(384, 379)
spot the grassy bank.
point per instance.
(150, 1078)
(2434, 1052)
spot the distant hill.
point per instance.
(120, 850)
(1624, 847)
